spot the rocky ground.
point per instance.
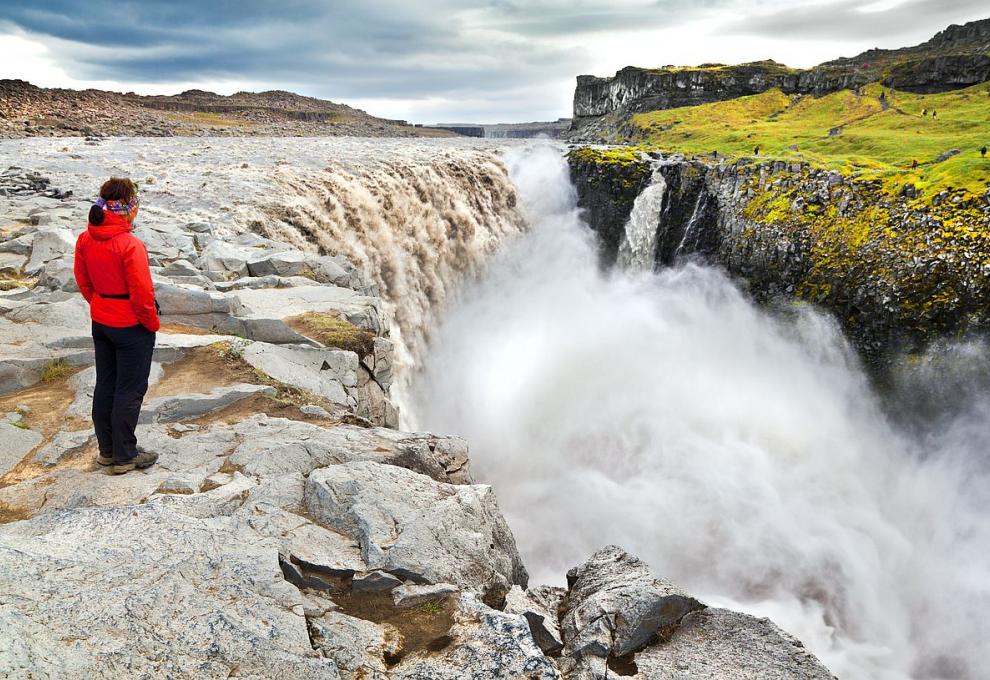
(30, 111)
(289, 530)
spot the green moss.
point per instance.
(621, 155)
(431, 607)
(922, 272)
(21, 425)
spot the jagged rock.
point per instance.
(11, 263)
(167, 242)
(417, 528)
(358, 647)
(181, 407)
(63, 443)
(18, 245)
(52, 312)
(722, 644)
(48, 244)
(17, 373)
(314, 410)
(329, 373)
(361, 310)
(221, 501)
(946, 155)
(167, 595)
(58, 274)
(177, 302)
(324, 269)
(483, 643)
(616, 606)
(17, 443)
(412, 595)
(374, 582)
(180, 268)
(220, 256)
(275, 446)
(539, 606)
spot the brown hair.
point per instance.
(114, 189)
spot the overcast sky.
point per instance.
(438, 60)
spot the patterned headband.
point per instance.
(118, 207)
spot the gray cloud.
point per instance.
(845, 20)
(505, 57)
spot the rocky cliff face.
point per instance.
(957, 57)
(894, 274)
(289, 529)
(29, 111)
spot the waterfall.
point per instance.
(743, 455)
(700, 204)
(639, 243)
(415, 228)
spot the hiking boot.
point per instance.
(104, 460)
(142, 460)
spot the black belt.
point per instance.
(122, 296)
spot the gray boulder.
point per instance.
(417, 528)
(539, 606)
(726, 645)
(616, 606)
(176, 301)
(58, 274)
(358, 647)
(482, 643)
(277, 446)
(181, 407)
(413, 595)
(17, 442)
(62, 444)
(49, 243)
(11, 263)
(329, 373)
(322, 269)
(221, 256)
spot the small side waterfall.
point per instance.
(689, 241)
(638, 248)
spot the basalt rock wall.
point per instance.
(955, 58)
(895, 275)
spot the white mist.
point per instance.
(744, 457)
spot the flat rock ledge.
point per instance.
(289, 529)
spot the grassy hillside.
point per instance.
(843, 131)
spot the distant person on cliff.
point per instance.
(983, 151)
(756, 151)
(114, 276)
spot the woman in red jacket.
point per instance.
(113, 275)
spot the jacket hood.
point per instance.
(112, 226)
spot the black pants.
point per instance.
(123, 363)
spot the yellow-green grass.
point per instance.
(873, 142)
(216, 119)
(56, 369)
(333, 331)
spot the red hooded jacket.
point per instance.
(112, 261)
